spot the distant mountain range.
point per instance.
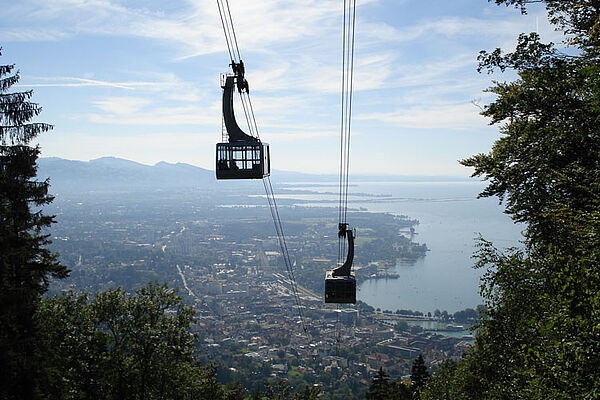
(112, 173)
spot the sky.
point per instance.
(140, 79)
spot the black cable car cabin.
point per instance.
(244, 156)
(242, 160)
(340, 284)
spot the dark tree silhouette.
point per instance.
(419, 372)
(380, 386)
(25, 262)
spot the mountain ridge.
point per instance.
(114, 173)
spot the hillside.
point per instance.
(117, 174)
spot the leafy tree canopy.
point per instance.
(120, 346)
(539, 335)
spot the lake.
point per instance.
(450, 218)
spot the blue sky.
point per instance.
(140, 79)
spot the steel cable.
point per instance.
(225, 30)
(347, 89)
(284, 250)
(231, 39)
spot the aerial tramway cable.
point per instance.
(231, 39)
(347, 88)
(233, 48)
(284, 250)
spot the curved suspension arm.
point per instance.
(236, 134)
(346, 268)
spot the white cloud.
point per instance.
(167, 83)
(123, 105)
(194, 26)
(165, 116)
(448, 117)
(303, 135)
(495, 27)
(164, 101)
(26, 34)
(83, 82)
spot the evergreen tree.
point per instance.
(380, 386)
(419, 372)
(400, 391)
(25, 262)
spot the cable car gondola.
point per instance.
(340, 284)
(243, 156)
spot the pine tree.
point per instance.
(380, 386)
(25, 263)
(419, 372)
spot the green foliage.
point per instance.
(25, 262)
(539, 337)
(574, 17)
(401, 326)
(16, 111)
(364, 307)
(281, 390)
(419, 373)
(119, 346)
(382, 388)
(466, 315)
(116, 346)
(442, 384)
(309, 393)
(548, 157)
